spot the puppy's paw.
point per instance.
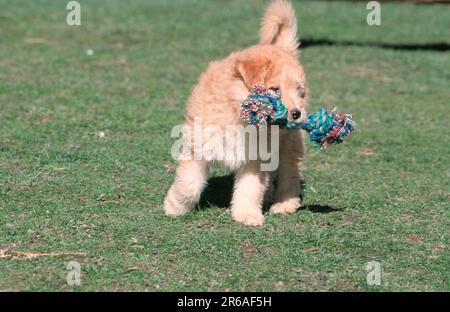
(289, 206)
(248, 217)
(173, 208)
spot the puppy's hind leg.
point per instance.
(185, 192)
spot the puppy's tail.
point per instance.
(279, 26)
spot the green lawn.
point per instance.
(383, 195)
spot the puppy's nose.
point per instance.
(295, 114)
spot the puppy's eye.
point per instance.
(301, 91)
(274, 89)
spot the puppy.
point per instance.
(216, 100)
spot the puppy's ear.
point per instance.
(254, 70)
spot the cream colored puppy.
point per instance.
(216, 100)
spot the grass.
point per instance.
(383, 195)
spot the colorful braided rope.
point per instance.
(265, 107)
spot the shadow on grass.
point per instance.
(219, 190)
(217, 193)
(438, 46)
(321, 208)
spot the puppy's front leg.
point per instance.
(185, 192)
(249, 188)
(287, 194)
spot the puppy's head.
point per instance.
(277, 70)
(274, 61)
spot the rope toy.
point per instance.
(265, 107)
